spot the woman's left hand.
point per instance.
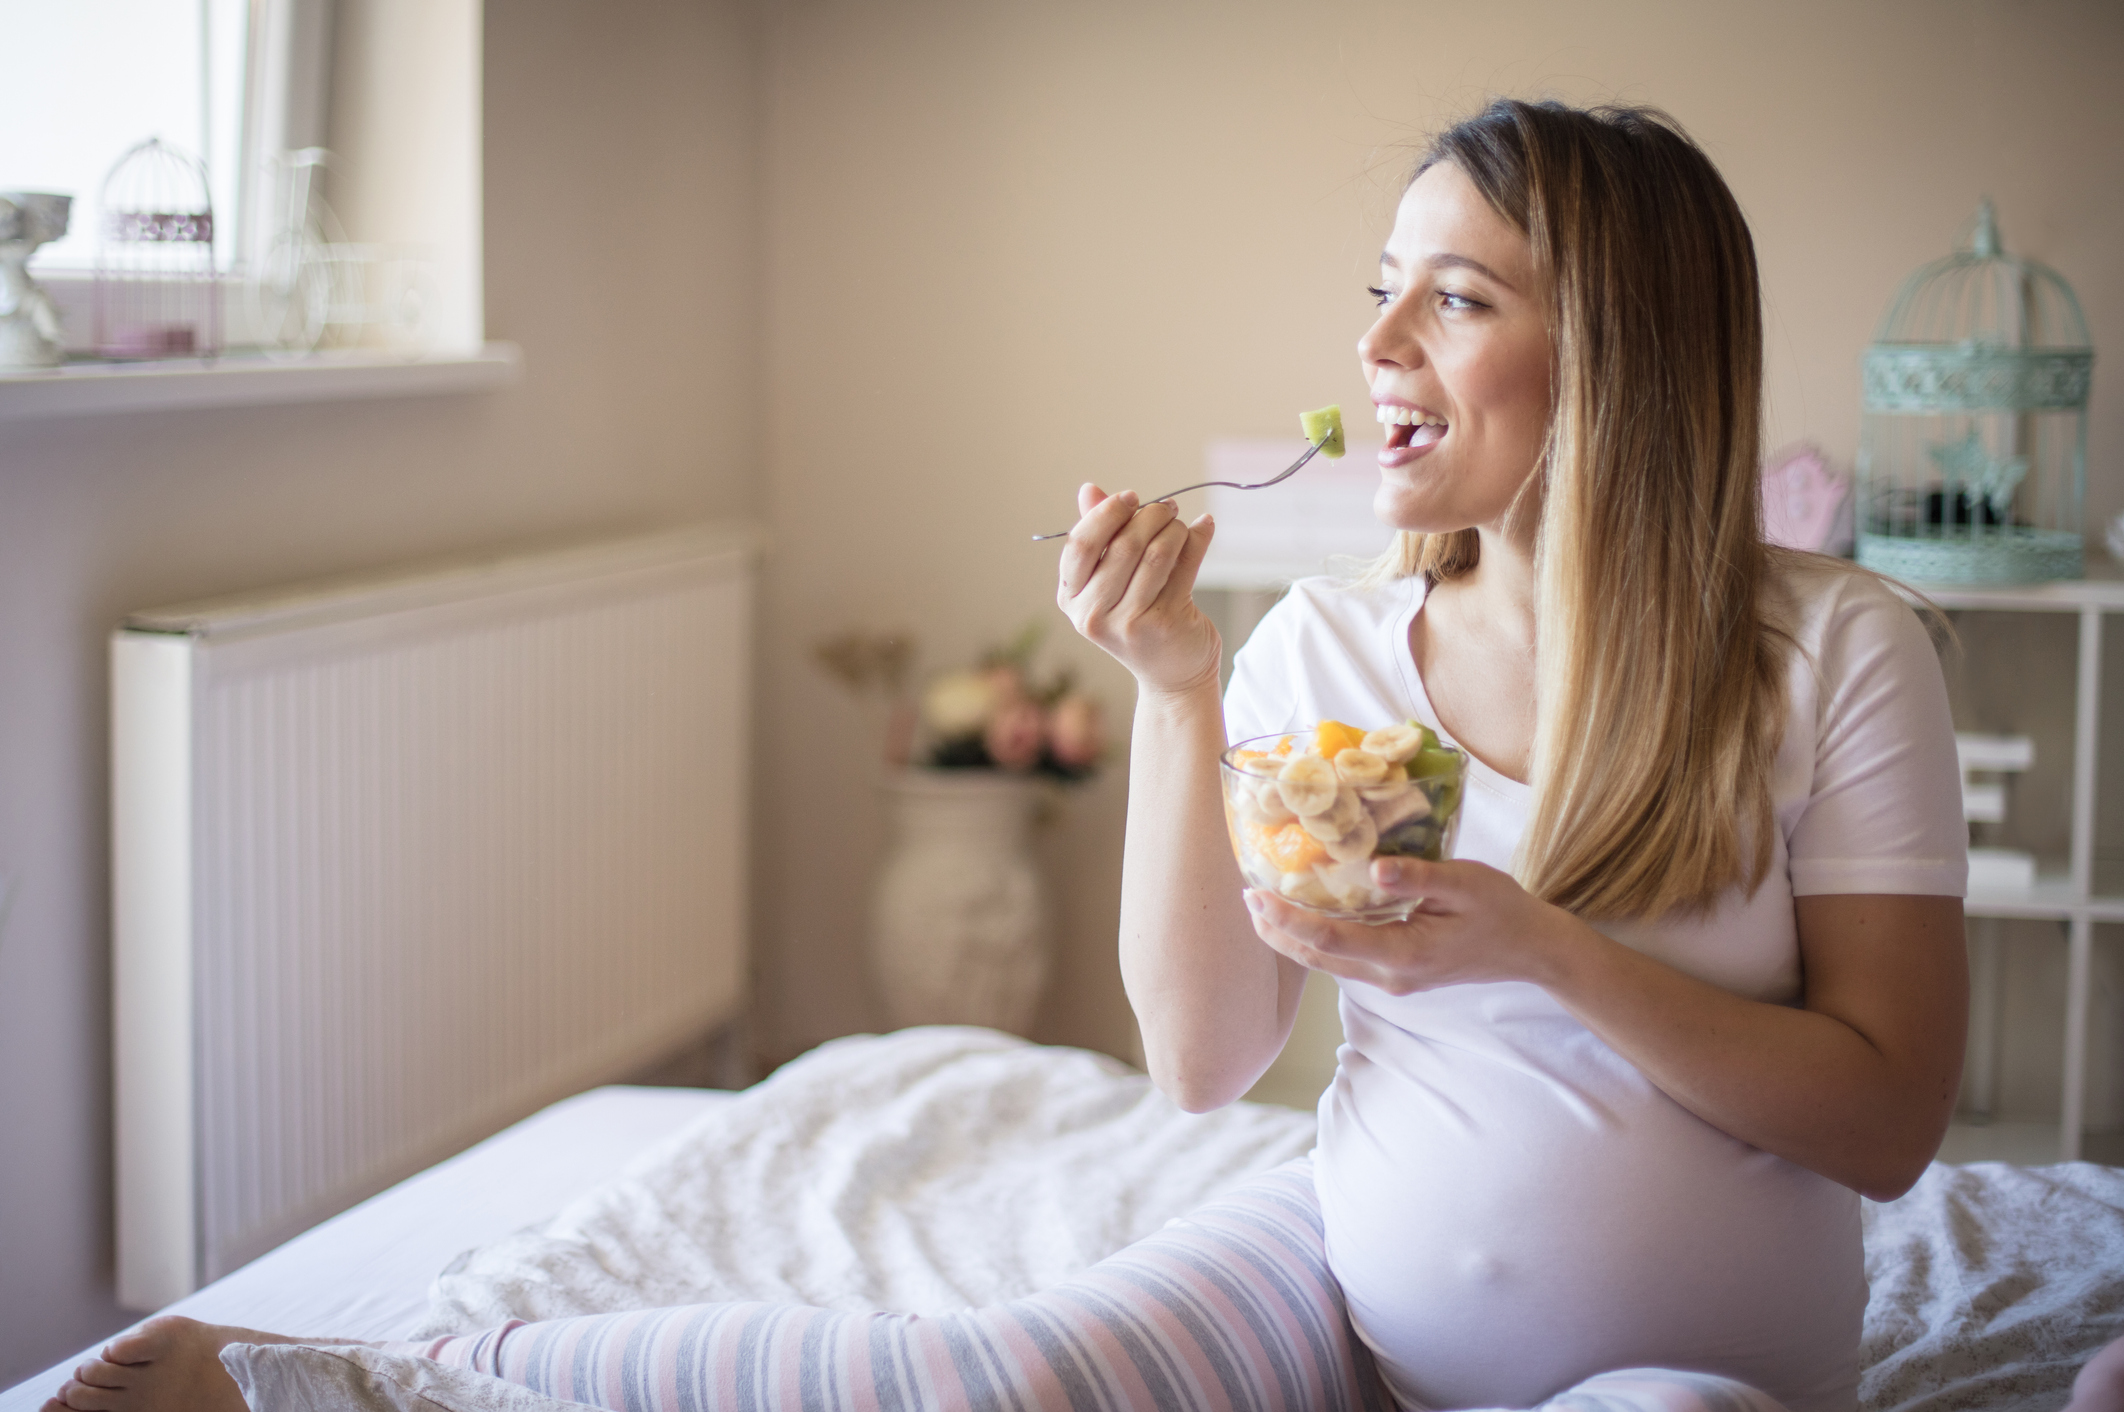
(1475, 924)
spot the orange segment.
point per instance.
(1287, 847)
(1283, 746)
(1333, 737)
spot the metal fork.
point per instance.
(1310, 451)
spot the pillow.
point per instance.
(298, 1377)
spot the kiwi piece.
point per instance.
(1324, 427)
(1418, 838)
(1447, 801)
(1432, 760)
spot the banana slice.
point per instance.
(1394, 744)
(1349, 884)
(1267, 767)
(1392, 804)
(1268, 804)
(1361, 766)
(1307, 890)
(1356, 845)
(1338, 820)
(1308, 784)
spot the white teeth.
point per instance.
(1406, 416)
(1385, 414)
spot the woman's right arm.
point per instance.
(1214, 1004)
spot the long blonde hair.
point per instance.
(1659, 659)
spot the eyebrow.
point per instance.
(1448, 262)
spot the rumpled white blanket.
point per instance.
(1992, 1284)
(923, 1171)
(947, 1168)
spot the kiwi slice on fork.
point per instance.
(1324, 429)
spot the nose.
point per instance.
(1390, 341)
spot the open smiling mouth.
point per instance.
(1411, 427)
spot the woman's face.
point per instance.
(1458, 361)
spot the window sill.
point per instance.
(249, 380)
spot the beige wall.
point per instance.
(1013, 247)
(619, 198)
(406, 130)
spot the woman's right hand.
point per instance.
(1127, 584)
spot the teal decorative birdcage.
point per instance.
(1972, 463)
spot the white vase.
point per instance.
(959, 921)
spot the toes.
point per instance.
(97, 1373)
(80, 1397)
(134, 1346)
(151, 1340)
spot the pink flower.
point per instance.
(1015, 735)
(1074, 732)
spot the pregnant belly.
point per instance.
(1511, 1208)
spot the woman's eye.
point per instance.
(1381, 297)
(1449, 300)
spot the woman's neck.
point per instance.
(1501, 591)
(1474, 649)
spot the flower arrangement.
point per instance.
(993, 715)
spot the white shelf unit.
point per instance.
(2081, 896)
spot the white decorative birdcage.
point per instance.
(1972, 464)
(157, 292)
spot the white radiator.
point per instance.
(401, 860)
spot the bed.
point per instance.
(943, 1168)
(365, 1273)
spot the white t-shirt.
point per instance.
(1510, 1205)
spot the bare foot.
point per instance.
(2100, 1386)
(168, 1364)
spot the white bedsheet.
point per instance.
(365, 1273)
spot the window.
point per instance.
(226, 81)
(258, 88)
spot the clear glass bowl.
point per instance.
(1306, 826)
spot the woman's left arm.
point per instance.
(1857, 1083)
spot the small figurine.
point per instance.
(29, 324)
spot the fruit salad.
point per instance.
(1309, 812)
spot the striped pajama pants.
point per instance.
(1229, 1310)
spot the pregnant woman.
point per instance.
(1695, 981)
(1693, 984)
